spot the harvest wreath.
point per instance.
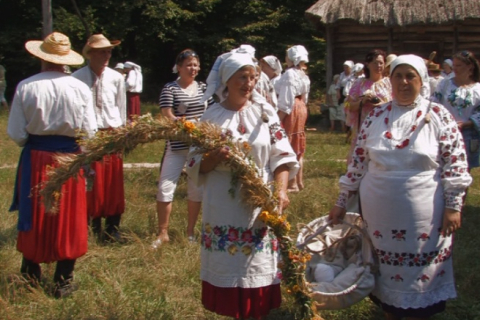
(206, 137)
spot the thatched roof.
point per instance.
(394, 12)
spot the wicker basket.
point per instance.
(332, 244)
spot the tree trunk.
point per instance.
(47, 18)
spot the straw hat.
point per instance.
(55, 48)
(98, 41)
(433, 67)
(390, 59)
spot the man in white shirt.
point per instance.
(134, 85)
(106, 198)
(47, 110)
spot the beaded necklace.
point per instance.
(404, 140)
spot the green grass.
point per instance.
(131, 281)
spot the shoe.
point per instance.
(64, 290)
(192, 239)
(114, 237)
(156, 244)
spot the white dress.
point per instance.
(407, 171)
(237, 249)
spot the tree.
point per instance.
(154, 31)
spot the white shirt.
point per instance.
(294, 82)
(134, 82)
(50, 103)
(110, 104)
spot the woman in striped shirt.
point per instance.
(179, 99)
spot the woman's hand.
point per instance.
(213, 158)
(336, 214)
(451, 222)
(283, 200)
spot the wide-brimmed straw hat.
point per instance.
(55, 48)
(390, 59)
(433, 67)
(98, 41)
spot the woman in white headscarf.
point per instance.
(239, 253)
(293, 90)
(410, 168)
(448, 69)
(272, 68)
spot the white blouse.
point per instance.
(294, 82)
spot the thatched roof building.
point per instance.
(353, 27)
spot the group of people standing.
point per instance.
(47, 111)
(408, 165)
(408, 173)
(253, 106)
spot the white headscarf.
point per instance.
(223, 69)
(132, 65)
(414, 61)
(349, 63)
(245, 48)
(274, 63)
(297, 54)
(357, 67)
(449, 62)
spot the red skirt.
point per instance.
(133, 104)
(107, 197)
(241, 302)
(294, 125)
(63, 235)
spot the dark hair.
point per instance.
(468, 58)
(372, 55)
(187, 53)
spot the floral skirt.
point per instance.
(241, 302)
(107, 197)
(59, 236)
(294, 125)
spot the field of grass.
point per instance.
(131, 281)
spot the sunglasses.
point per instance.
(186, 54)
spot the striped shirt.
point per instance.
(183, 105)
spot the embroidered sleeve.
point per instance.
(342, 199)
(360, 158)
(281, 151)
(454, 172)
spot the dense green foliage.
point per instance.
(154, 31)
